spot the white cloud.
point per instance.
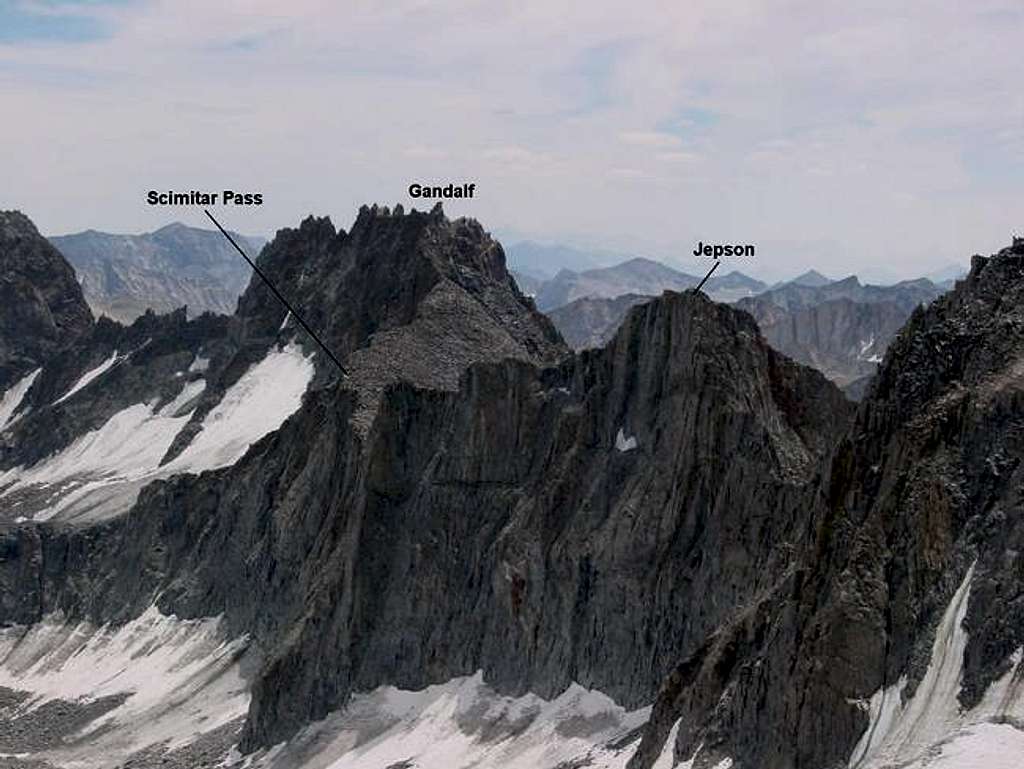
(678, 157)
(656, 139)
(766, 122)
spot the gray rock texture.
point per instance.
(925, 482)
(803, 293)
(42, 310)
(842, 328)
(683, 516)
(509, 507)
(123, 276)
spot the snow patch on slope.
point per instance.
(189, 393)
(883, 711)
(181, 679)
(666, 759)
(257, 404)
(622, 443)
(101, 473)
(88, 377)
(865, 346)
(13, 397)
(985, 746)
(462, 724)
(900, 732)
(199, 364)
(126, 449)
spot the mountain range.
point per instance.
(841, 327)
(472, 546)
(636, 276)
(543, 261)
(122, 276)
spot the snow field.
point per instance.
(101, 472)
(182, 678)
(930, 729)
(461, 724)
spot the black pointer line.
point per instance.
(277, 293)
(715, 267)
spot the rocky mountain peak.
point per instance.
(691, 319)
(168, 229)
(384, 265)
(14, 224)
(911, 565)
(685, 341)
(849, 282)
(381, 294)
(42, 308)
(568, 521)
(811, 278)
(964, 338)
(123, 276)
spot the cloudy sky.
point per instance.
(873, 137)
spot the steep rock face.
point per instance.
(588, 522)
(920, 508)
(42, 309)
(168, 394)
(123, 276)
(540, 512)
(383, 295)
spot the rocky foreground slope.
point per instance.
(476, 548)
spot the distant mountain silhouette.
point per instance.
(124, 275)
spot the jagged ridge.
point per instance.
(925, 483)
(533, 500)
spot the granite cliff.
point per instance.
(894, 637)
(474, 546)
(470, 497)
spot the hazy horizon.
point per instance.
(595, 258)
(876, 140)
